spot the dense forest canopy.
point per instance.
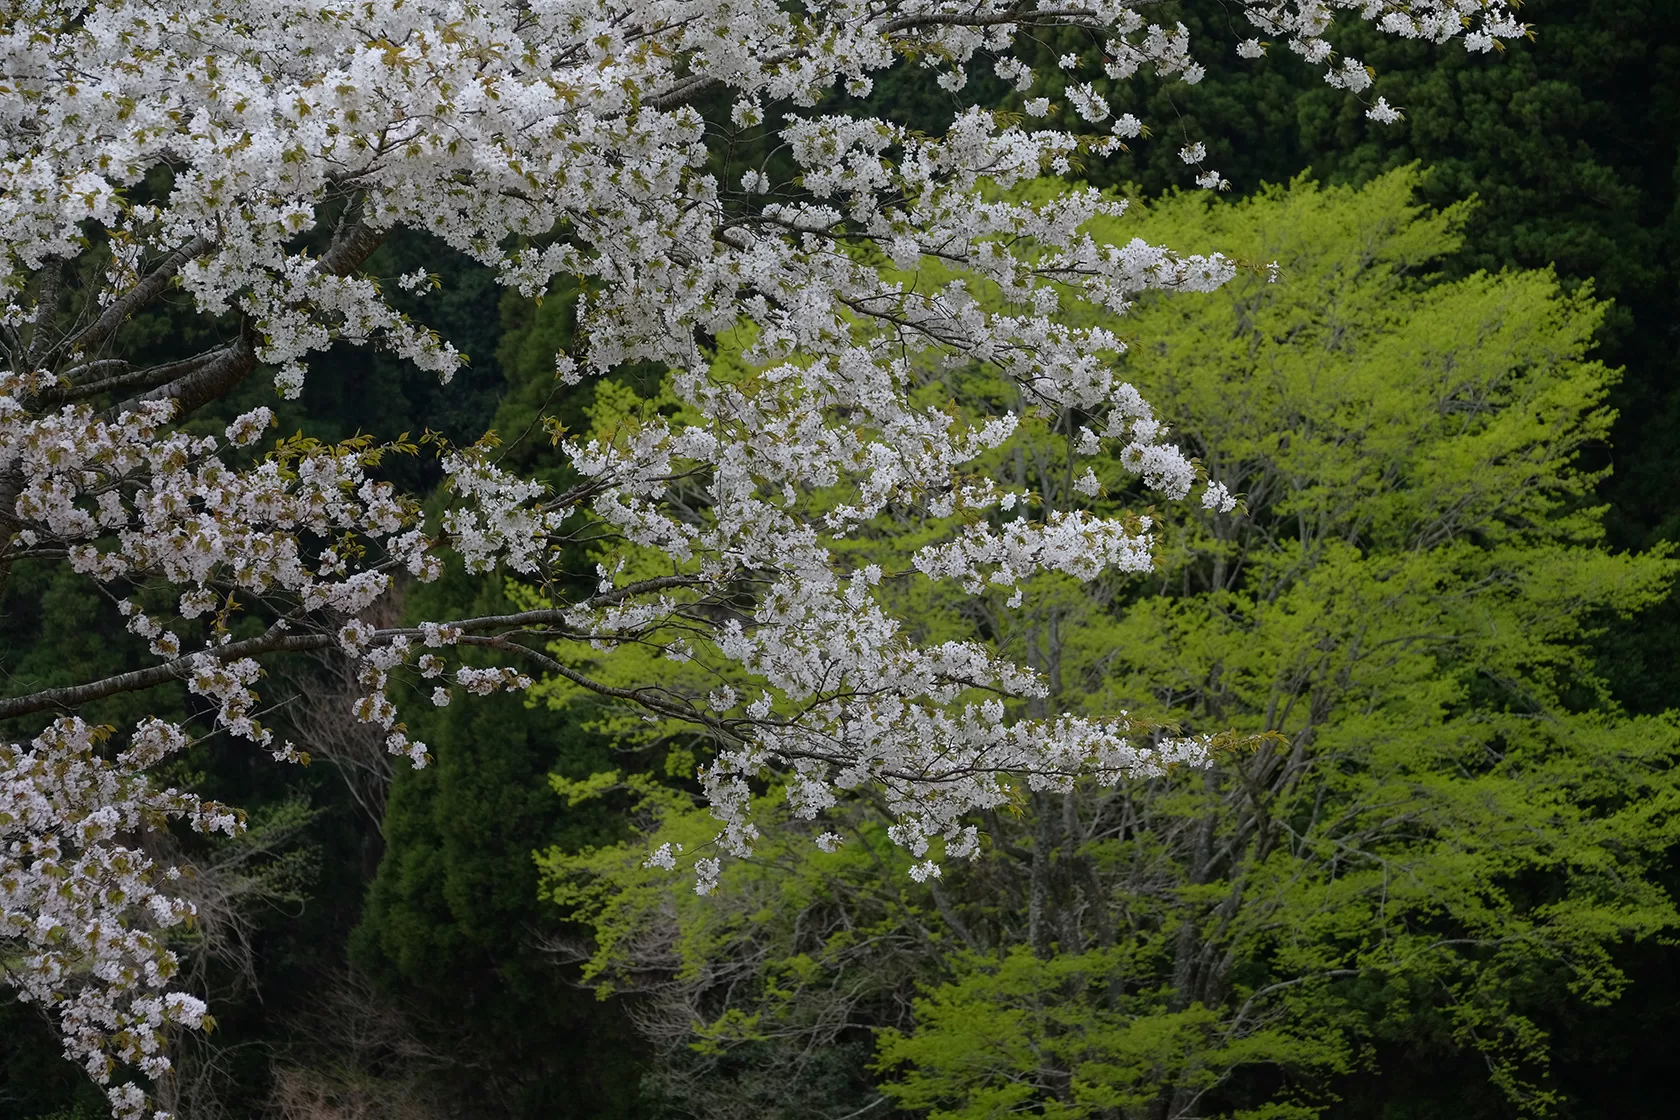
(1418, 861)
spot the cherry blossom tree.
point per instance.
(248, 156)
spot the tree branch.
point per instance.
(555, 615)
(123, 378)
(353, 243)
(274, 640)
(46, 307)
(138, 296)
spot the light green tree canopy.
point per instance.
(1432, 817)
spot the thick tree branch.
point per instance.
(148, 289)
(195, 387)
(119, 376)
(46, 308)
(351, 245)
(274, 640)
(203, 383)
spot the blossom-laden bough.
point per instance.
(249, 157)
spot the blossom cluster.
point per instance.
(84, 911)
(250, 155)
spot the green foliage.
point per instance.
(1439, 822)
(1454, 823)
(452, 924)
(86, 1112)
(1418, 603)
(1068, 1037)
(1571, 141)
(823, 941)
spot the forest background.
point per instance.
(384, 944)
